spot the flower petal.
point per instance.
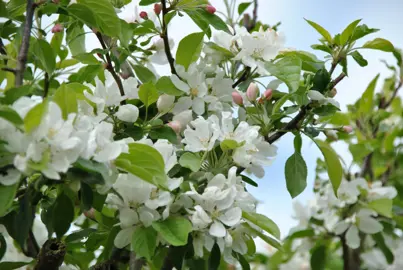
(231, 217)
(353, 239)
(124, 237)
(369, 225)
(217, 229)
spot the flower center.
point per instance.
(194, 92)
(52, 132)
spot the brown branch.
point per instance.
(243, 77)
(165, 38)
(336, 81)
(126, 70)
(12, 70)
(46, 85)
(109, 65)
(23, 53)
(51, 255)
(351, 257)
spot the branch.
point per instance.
(337, 80)
(51, 255)
(351, 257)
(12, 70)
(109, 66)
(3, 50)
(243, 77)
(387, 104)
(23, 53)
(165, 37)
(125, 66)
(46, 85)
(135, 263)
(254, 16)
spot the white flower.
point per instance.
(221, 93)
(349, 191)
(127, 113)
(9, 177)
(377, 191)
(130, 86)
(316, 95)
(363, 221)
(202, 136)
(195, 87)
(159, 57)
(183, 118)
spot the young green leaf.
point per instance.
(34, 117)
(321, 31)
(7, 194)
(361, 31)
(243, 6)
(191, 161)
(366, 101)
(380, 44)
(144, 242)
(263, 222)
(348, 32)
(174, 230)
(359, 59)
(13, 265)
(148, 94)
(334, 168)
(164, 132)
(382, 207)
(229, 144)
(189, 49)
(10, 115)
(63, 214)
(165, 85)
(66, 98)
(144, 74)
(214, 258)
(380, 241)
(288, 70)
(44, 52)
(269, 240)
(296, 174)
(318, 258)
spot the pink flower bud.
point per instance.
(268, 94)
(175, 125)
(237, 98)
(157, 9)
(144, 15)
(57, 28)
(210, 9)
(347, 129)
(90, 213)
(252, 92)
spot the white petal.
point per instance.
(128, 217)
(352, 237)
(315, 95)
(180, 84)
(231, 217)
(217, 229)
(124, 237)
(369, 225)
(11, 177)
(183, 104)
(341, 227)
(198, 106)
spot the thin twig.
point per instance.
(23, 53)
(243, 77)
(394, 94)
(3, 50)
(109, 65)
(46, 85)
(165, 38)
(12, 70)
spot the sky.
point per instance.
(386, 15)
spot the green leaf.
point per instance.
(189, 49)
(66, 63)
(66, 98)
(288, 70)
(63, 214)
(174, 230)
(309, 61)
(86, 196)
(334, 168)
(75, 39)
(361, 31)
(302, 234)
(148, 94)
(34, 116)
(318, 258)
(380, 44)
(243, 6)
(366, 101)
(10, 115)
(164, 132)
(382, 207)
(277, 106)
(105, 16)
(199, 20)
(148, 2)
(44, 52)
(144, 242)
(249, 181)
(191, 161)
(380, 242)
(7, 194)
(321, 31)
(145, 162)
(165, 85)
(12, 94)
(321, 80)
(78, 236)
(263, 222)
(348, 32)
(214, 258)
(322, 47)
(296, 173)
(210, 19)
(144, 74)
(83, 13)
(3, 243)
(126, 33)
(359, 59)
(13, 265)
(269, 240)
(3, 12)
(298, 142)
(86, 58)
(229, 144)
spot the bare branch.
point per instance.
(51, 255)
(12, 70)
(23, 53)
(165, 38)
(243, 77)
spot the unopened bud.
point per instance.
(237, 98)
(331, 135)
(144, 15)
(127, 113)
(252, 92)
(157, 9)
(210, 9)
(165, 102)
(175, 125)
(347, 129)
(90, 213)
(268, 94)
(57, 28)
(333, 93)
